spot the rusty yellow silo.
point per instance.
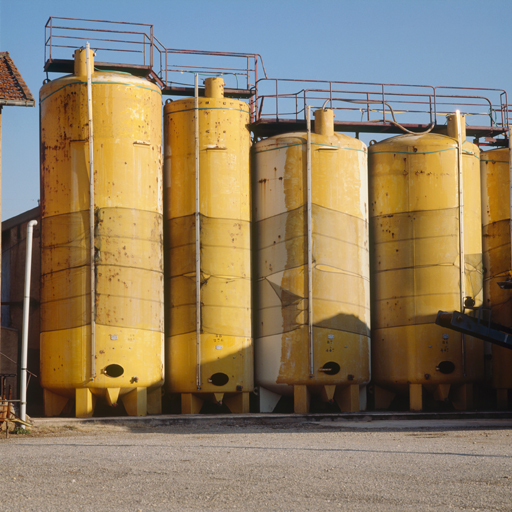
(422, 228)
(496, 227)
(310, 213)
(208, 263)
(112, 123)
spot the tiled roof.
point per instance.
(13, 89)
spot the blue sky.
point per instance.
(434, 42)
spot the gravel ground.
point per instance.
(319, 465)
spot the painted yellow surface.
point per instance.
(224, 207)
(340, 274)
(128, 203)
(496, 253)
(414, 210)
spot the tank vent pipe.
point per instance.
(91, 215)
(324, 122)
(310, 245)
(198, 232)
(26, 311)
(214, 88)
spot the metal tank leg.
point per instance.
(442, 392)
(238, 403)
(502, 399)
(462, 397)
(84, 403)
(53, 404)
(327, 393)
(190, 403)
(363, 398)
(301, 398)
(268, 399)
(136, 402)
(347, 398)
(415, 397)
(155, 401)
(382, 398)
(112, 396)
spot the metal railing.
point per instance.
(275, 98)
(230, 65)
(136, 44)
(281, 99)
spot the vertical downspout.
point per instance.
(310, 245)
(462, 263)
(198, 232)
(26, 311)
(91, 215)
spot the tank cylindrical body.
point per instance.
(209, 337)
(416, 252)
(334, 361)
(124, 358)
(496, 221)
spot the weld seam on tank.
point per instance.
(206, 108)
(67, 269)
(111, 265)
(324, 235)
(364, 222)
(343, 272)
(106, 208)
(130, 297)
(464, 151)
(265, 277)
(313, 144)
(245, 223)
(415, 267)
(317, 327)
(287, 240)
(496, 161)
(96, 83)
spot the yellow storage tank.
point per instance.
(312, 298)
(119, 353)
(209, 334)
(494, 166)
(416, 265)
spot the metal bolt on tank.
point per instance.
(310, 211)
(426, 256)
(101, 254)
(208, 263)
